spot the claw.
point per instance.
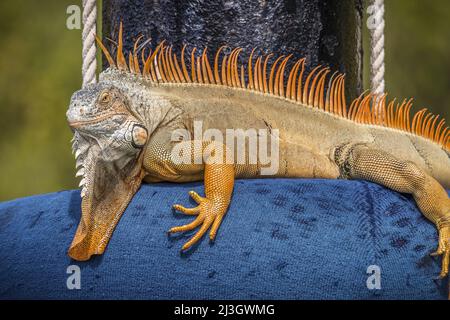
(436, 253)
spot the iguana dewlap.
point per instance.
(129, 126)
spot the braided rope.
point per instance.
(377, 48)
(89, 67)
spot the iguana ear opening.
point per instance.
(139, 136)
(110, 189)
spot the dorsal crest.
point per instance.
(268, 75)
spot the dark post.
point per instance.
(327, 32)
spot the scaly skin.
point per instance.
(125, 125)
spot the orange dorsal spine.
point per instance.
(163, 66)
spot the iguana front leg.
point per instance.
(219, 182)
(207, 160)
(365, 162)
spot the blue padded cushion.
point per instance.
(281, 239)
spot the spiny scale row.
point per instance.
(164, 66)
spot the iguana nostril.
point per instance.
(81, 111)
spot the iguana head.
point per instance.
(108, 142)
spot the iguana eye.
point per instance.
(105, 98)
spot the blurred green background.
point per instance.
(40, 63)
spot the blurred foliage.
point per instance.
(417, 45)
(40, 63)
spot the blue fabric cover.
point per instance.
(281, 239)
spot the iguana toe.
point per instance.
(188, 211)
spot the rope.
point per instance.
(376, 43)
(89, 67)
(377, 48)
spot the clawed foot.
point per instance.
(444, 250)
(209, 214)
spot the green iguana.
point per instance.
(125, 133)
